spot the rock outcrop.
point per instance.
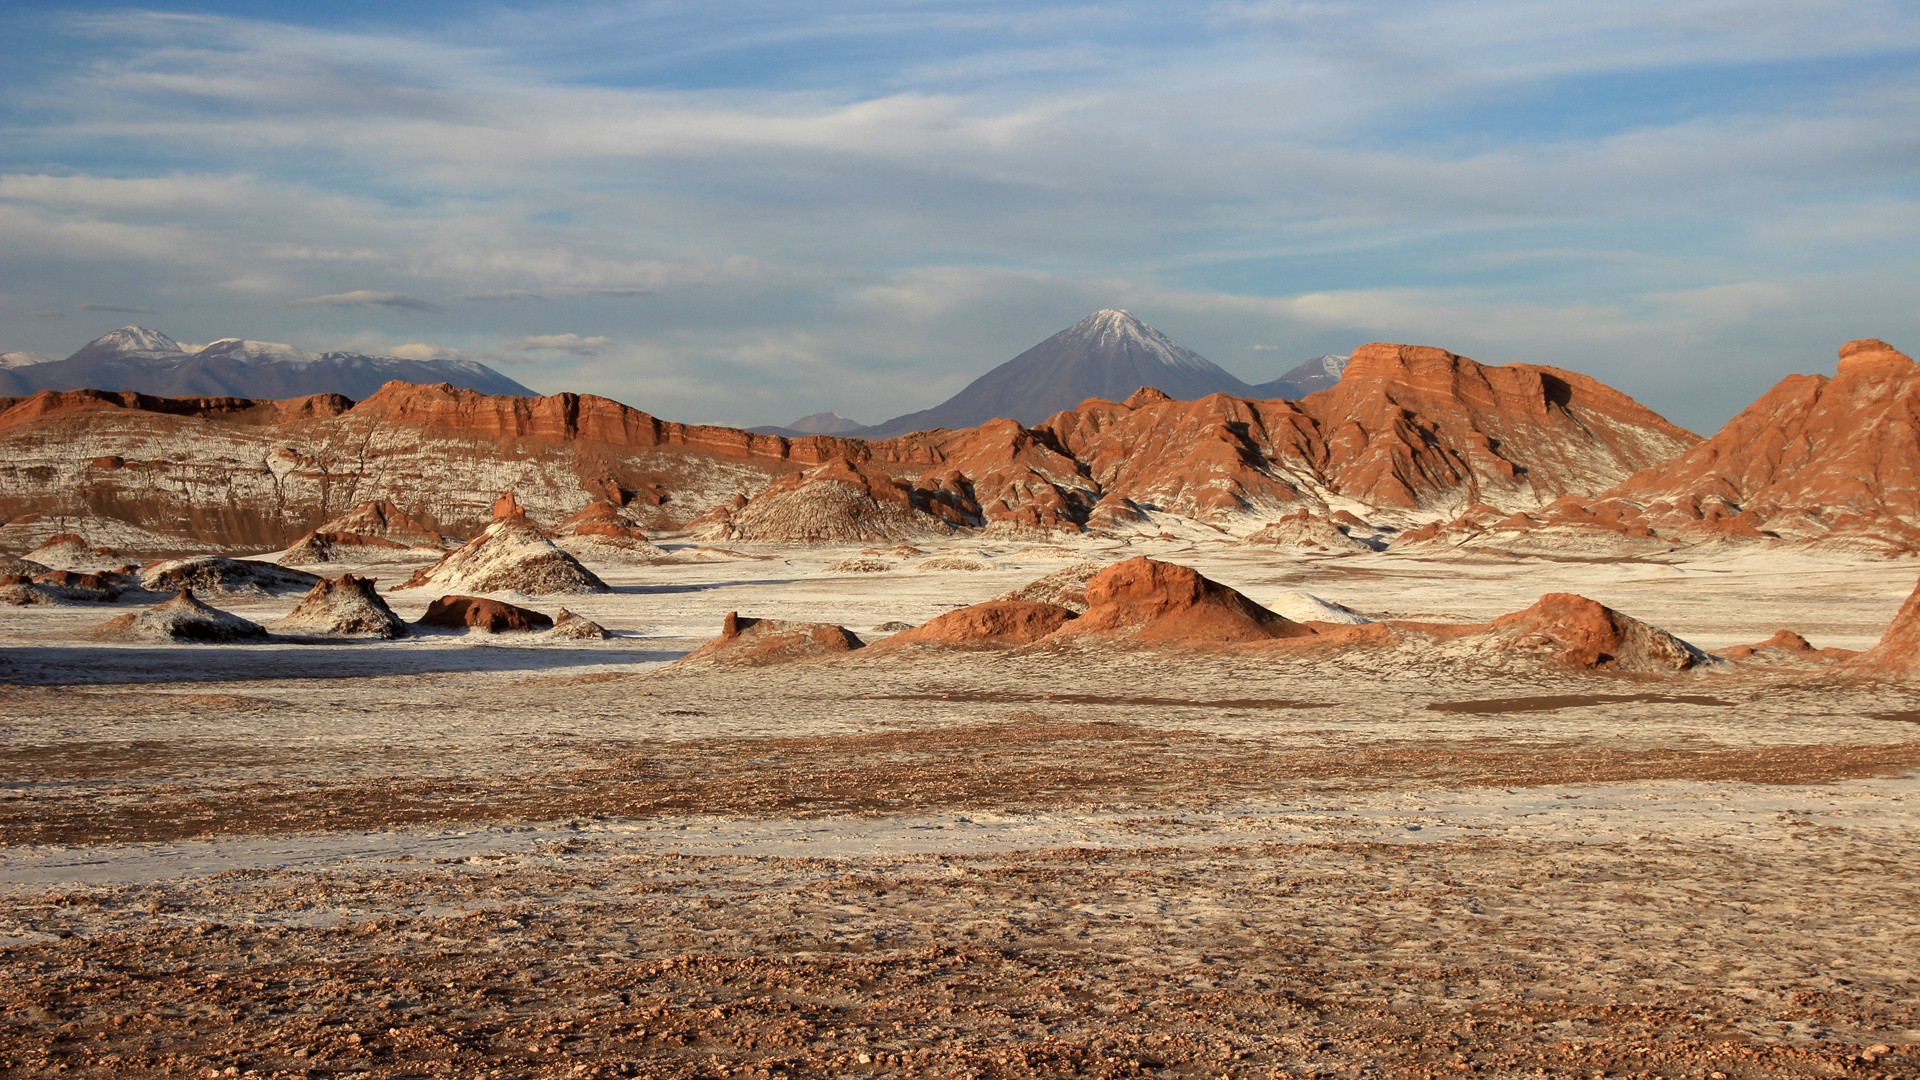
(480, 613)
(996, 623)
(374, 531)
(1582, 633)
(836, 502)
(218, 574)
(1308, 531)
(511, 555)
(568, 626)
(1833, 461)
(345, 606)
(1407, 429)
(604, 533)
(1897, 654)
(70, 551)
(1146, 601)
(183, 618)
(774, 641)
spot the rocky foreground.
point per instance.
(1399, 835)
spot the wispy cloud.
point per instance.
(859, 208)
(550, 293)
(120, 309)
(567, 343)
(364, 298)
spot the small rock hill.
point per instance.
(183, 618)
(371, 532)
(773, 641)
(345, 606)
(512, 555)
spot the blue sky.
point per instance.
(747, 212)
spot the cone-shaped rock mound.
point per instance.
(345, 606)
(70, 551)
(372, 531)
(480, 613)
(512, 555)
(183, 618)
(774, 641)
(1585, 633)
(219, 574)
(1149, 601)
(14, 566)
(1302, 529)
(994, 623)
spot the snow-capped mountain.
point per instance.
(1109, 354)
(150, 362)
(1316, 374)
(21, 359)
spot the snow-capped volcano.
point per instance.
(150, 362)
(1109, 354)
(22, 358)
(1314, 375)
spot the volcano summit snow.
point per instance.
(149, 362)
(1109, 354)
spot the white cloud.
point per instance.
(568, 343)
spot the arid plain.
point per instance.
(507, 855)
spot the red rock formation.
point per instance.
(372, 530)
(1814, 458)
(1583, 633)
(773, 641)
(1406, 428)
(480, 613)
(1898, 652)
(838, 501)
(1147, 601)
(996, 623)
(1305, 529)
(1412, 426)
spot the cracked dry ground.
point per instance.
(1166, 928)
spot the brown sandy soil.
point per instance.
(984, 865)
(1326, 959)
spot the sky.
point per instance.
(747, 212)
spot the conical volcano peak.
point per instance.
(1119, 330)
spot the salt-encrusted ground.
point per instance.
(451, 855)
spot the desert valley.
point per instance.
(1448, 719)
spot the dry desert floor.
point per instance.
(459, 855)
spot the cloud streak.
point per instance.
(567, 343)
(118, 309)
(364, 298)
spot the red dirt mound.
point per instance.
(478, 612)
(996, 622)
(774, 641)
(1151, 601)
(1587, 634)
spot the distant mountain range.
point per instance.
(820, 423)
(149, 362)
(1109, 354)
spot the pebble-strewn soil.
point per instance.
(559, 861)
